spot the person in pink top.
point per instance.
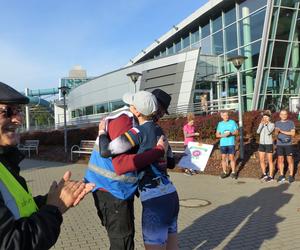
(189, 135)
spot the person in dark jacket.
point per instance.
(27, 222)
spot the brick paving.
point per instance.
(243, 214)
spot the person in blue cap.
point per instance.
(28, 222)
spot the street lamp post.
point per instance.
(134, 76)
(238, 61)
(64, 90)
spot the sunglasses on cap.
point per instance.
(9, 111)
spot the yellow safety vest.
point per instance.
(23, 199)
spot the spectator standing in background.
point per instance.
(189, 135)
(265, 130)
(226, 131)
(285, 130)
(204, 104)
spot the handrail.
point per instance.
(180, 110)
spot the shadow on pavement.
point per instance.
(254, 218)
(249, 149)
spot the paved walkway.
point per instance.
(243, 214)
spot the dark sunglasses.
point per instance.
(9, 111)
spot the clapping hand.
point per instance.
(67, 193)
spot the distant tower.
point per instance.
(77, 72)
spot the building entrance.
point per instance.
(203, 95)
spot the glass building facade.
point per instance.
(100, 108)
(265, 31)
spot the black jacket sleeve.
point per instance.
(39, 231)
(40, 200)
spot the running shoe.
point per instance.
(223, 175)
(233, 175)
(188, 172)
(291, 179)
(269, 179)
(281, 179)
(263, 177)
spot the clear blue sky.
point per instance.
(41, 40)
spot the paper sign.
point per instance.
(196, 156)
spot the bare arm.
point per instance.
(291, 133)
(187, 135)
(218, 134)
(236, 132)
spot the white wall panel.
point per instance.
(113, 85)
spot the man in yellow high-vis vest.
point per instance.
(28, 222)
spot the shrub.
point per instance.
(206, 125)
(56, 137)
(173, 127)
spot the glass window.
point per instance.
(229, 65)
(297, 31)
(186, 42)
(205, 30)
(284, 24)
(275, 81)
(206, 46)
(251, 27)
(292, 82)
(232, 86)
(252, 52)
(285, 100)
(248, 80)
(289, 3)
(276, 2)
(116, 105)
(170, 50)
(230, 16)
(269, 54)
(249, 6)
(102, 108)
(178, 46)
(195, 37)
(79, 112)
(157, 55)
(272, 103)
(163, 52)
(73, 114)
(207, 67)
(279, 54)
(274, 23)
(218, 43)
(89, 110)
(295, 55)
(230, 37)
(215, 90)
(217, 23)
(222, 65)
